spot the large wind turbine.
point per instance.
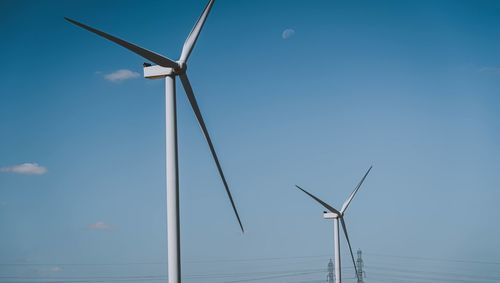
(338, 216)
(168, 69)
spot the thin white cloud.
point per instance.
(121, 75)
(99, 225)
(489, 70)
(287, 33)
(46, 271)
(56, 269)
(28, 168)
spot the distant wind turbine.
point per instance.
(339, 216)
(168, 69)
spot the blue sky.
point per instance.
(408, 86)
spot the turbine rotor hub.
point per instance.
(181, 69)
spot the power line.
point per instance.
(436, 259)
(389, 272)
(258, 259)
(154, 277)
(274, 277)
(81, 264)
(435, 273)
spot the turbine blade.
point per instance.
(197, 112)
(348, 201)
(324, 204)
(349, 244)
(195, 32)
(149, 55)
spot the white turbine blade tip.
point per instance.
(196, 109)
(195, 32)
(147, 54)
(351, 196)
(324, 204)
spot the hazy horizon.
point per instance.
(307, 93)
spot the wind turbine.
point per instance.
(338, 216)
(168, 70)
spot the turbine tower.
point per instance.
(338, 216)
(168, 70)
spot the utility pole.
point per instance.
(359, 265)
(329, 277)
